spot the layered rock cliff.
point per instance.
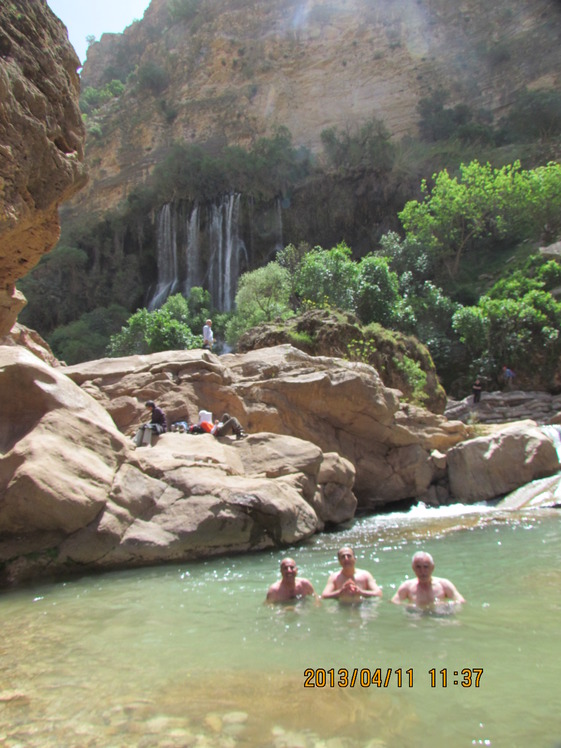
(224, 71)
(41, 140)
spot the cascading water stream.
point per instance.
(167, 256)
(553, 431)
(200, 249)
(193, 252)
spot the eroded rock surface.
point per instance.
(341, 406)
(491, 466)
(74, 493)
(41, 140)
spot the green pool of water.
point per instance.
(189, 655)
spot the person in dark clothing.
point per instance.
(476, 389)
(158, 418)
(157, 425)
(228, 425)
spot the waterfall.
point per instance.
(226, 247)
(554, 433)
(167, 256)
(209, 254)
(193, 252)
(279, 232)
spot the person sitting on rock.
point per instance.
(228, 425)
(426, 591)
(290, 586)
(157, 425)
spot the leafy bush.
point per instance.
(193, 172)
(518, 323)
(183, 10)
(416, 378)
(87, 337)
(152, 77)
(94, 129)
(361, 350)
(483, 206)
(93, 98)
(439, 122)
(377, 292)
(370, 147)
(262, 296)
(534, 115)
(164, 329)
(54, 288)
(329, 276)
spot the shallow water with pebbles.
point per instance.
(189, 655)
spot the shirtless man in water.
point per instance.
(426, 591)
(349, 584)
(290, 586)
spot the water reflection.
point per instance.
(190, 655)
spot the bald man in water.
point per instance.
(425, 590)
(349, 584)
(290, 586)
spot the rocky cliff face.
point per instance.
(230, 71)
(41, 140)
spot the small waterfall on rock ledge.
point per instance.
(553, 431)
(199, 247)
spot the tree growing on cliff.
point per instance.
(482, 207)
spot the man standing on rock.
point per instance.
(291, 586)
(208, 335)
(426, 591)
(349, 584)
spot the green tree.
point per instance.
(86, 338)
(377, 291)
(54, 288)
(290, 258)
(92, 98)
(164, 329)
(534, 115)
(522, 332)
(368, 147)
(482, 204)
(328, 276)
(262, 296)
(152, 77)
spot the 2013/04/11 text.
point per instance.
(384, 677)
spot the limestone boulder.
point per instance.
(41, 140)
(23, 336)
(194, 496)
(74, 493)
(59, 449)
(342, 407)
(491, 466)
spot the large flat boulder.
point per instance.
(491, 466)
(342, 407)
